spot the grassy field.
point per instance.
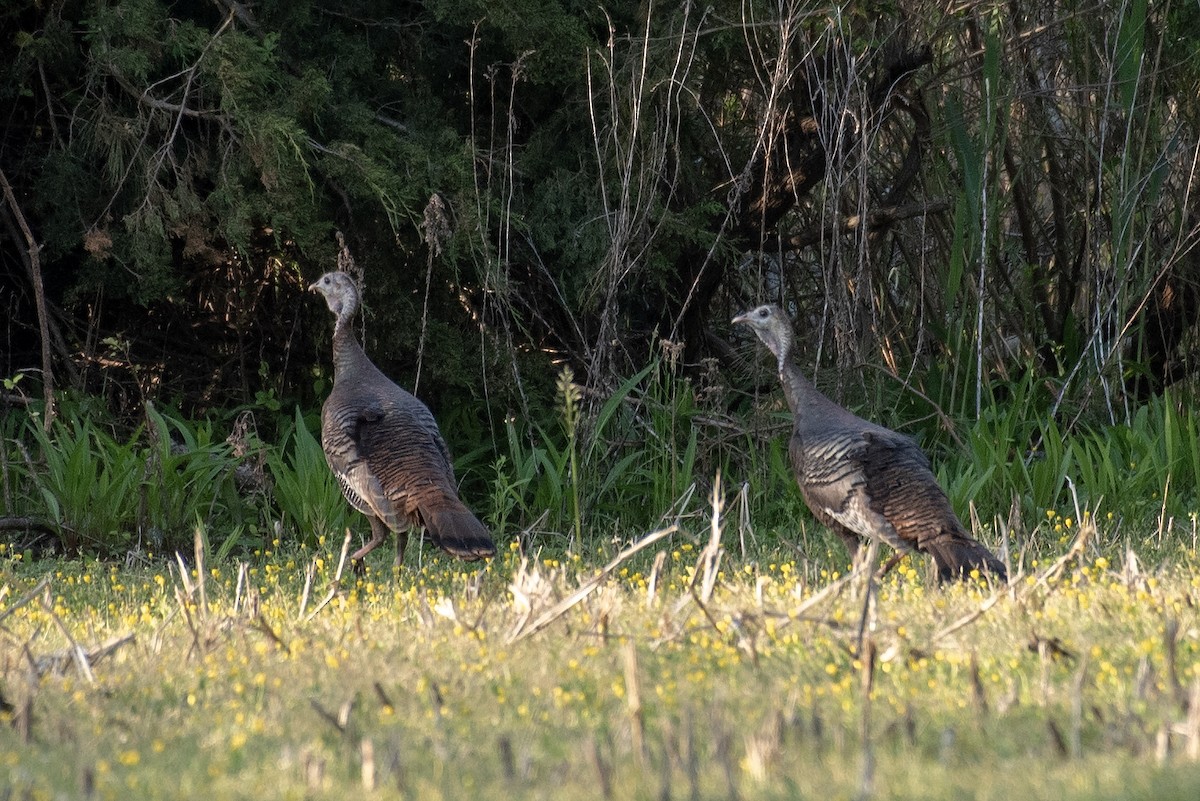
(680, 671)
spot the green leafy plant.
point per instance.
(188, 479)
(103, 494)
(622, 463)
(87, 484)
(305, 492)
(571, 395)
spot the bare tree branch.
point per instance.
(32, 258)
(874, 220)
(242, 12)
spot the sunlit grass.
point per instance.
(1076, 682)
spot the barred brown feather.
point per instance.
(384, 447)
(861, 479)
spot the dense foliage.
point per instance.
(953, 195)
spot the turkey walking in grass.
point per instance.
(861, 479)
(385, 449)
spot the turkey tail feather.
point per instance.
(956, 558)
(453, 528)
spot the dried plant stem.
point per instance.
(1086, 530)
(336, 586)
(710, 558)
(77, 653)
(563, 606)
(603, 769)
(198, 545)
(633, 701)
(182, 599)
(367, 752)
(33, 264)
(309, 573)
(42, 584)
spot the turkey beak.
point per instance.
(744, 317)
(312, 287)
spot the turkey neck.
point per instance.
(798, 390)
(805, 400)
(348, 355)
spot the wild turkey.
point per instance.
(864, 480)
(385, 449)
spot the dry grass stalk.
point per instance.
(830, 590)
(633, 700)
(198, 546)
(660, 559)
(724, 754)
(710, 558)
(978, 693)
(185, 576)
(508, 763)
(866, 658)
(1077, 708)
(367, 754)
(1170, 659)
(313, 767)
(563, 606)
(336, 586)
(55, 662)
(340, 721)
(744, 524)
(309, 573)
(1087, 529)
(79, 656)
(1192, 727)
(262, 625)
(603, 769)
(181, 599)
(25, 598)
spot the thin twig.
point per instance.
(43, 582)
(309, 572)
(262, 625)
(829, 590)
(336, 587)
(198, 545)
(191, 624)
(33, 263)
(710, 557)
(633, 702)
(188, 588)
(77, 653)
(1076, 549)
(563, 606)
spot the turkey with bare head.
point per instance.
(861, 479)
(385, 449)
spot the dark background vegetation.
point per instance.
(967, 208)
